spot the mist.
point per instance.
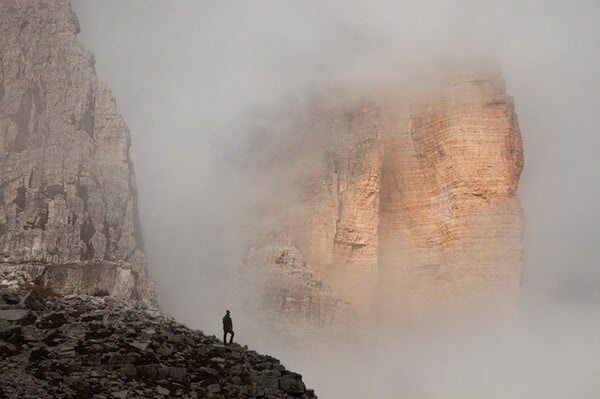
(198, 84)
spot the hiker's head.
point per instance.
(227, 311)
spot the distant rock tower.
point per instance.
(415, 206)
(67, 190)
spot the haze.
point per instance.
(190, 78)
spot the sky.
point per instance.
(188, 77)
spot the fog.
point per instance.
(192, 79)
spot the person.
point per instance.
(227, 328)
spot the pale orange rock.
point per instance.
(415, 205)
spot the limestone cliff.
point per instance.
(67, 190)
(415, 203)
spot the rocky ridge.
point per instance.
(80, 346)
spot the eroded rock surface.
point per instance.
(415, 203)
(276, 268)
(67, 189)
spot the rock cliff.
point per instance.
(67, 189)
(279, 271)
(414, 204)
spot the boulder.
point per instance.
(14, 315)
(292, 384)
(32, 300)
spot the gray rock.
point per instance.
(14, 315)
(128, 371)
(33, 301)
(213, 388)
(11, 298)
(53, 320)
(292, 383)
(147, 370)
(178, 374)
(10, 333)
(140, 345)
(68, 187)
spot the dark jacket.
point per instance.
(227, 323)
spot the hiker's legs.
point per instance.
(231, 338)
(225, 337)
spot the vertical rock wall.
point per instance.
(338, 234)
(67, 190)
(450, 221)
(416, 203)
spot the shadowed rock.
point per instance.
(132, 350)
(68, 208)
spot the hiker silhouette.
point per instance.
(227, 328)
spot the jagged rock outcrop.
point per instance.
(67, 190)
(415, 204)
(290, 293)
(79, 346)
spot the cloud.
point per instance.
(193, 79)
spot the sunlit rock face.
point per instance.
(450, 223)
(67, 190)
(415, 205)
